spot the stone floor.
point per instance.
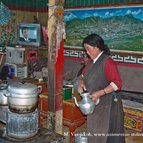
(131, 136)
(134, 138)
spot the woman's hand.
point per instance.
(95, 95)
(81, 86)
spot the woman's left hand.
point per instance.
(95, 95)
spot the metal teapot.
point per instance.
(86, 105)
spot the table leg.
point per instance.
(72, 129)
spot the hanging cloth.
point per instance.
(5, 14)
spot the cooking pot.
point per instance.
(3, 91)
(22, 97)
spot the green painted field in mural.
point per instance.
(120, 27)
(129, 44)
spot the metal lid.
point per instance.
(23, 88)
(84, 94)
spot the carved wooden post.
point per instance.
(55, 64)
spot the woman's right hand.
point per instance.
(81, 86)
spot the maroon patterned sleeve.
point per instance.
(112, 73)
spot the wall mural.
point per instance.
(8, 32)
(120, 27)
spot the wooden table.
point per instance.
(72, 117)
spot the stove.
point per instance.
(23, 127)
(43, 136)
(18, 126)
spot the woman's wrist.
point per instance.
(105, 92)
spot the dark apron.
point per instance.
(107, 119)
(106, 124)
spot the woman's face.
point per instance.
(93, 52)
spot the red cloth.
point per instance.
(112, 73)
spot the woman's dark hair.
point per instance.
(96, 41)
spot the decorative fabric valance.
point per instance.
(42, 5)
(5, 14)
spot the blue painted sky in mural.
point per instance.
(137, 12)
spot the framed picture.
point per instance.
(120, 27)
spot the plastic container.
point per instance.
(67, 93)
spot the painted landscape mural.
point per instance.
(121, 28)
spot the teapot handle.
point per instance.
(75, 100)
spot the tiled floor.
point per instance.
(131, 136)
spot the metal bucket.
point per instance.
(22, 126)
(80, 137)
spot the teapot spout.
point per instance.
(75, 100)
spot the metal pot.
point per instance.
(3, 91)
(22, 97)
(81, 137)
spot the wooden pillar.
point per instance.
(55, 64)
